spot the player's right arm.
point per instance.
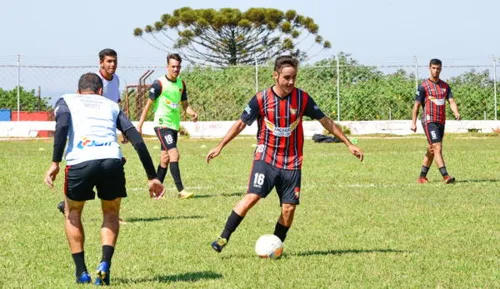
(419, 99)
(154, 92)
(235, 130)
(62, 116)
(248, 116)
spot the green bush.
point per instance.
(219, 94)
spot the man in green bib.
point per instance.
(168, 95)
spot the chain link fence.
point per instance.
(346, 92)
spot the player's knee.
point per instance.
(436, 147)
(74, 215)
(110, 217)
(249, 201)
(74, 209)
(173, 155)
(164, 158)
(288, 209)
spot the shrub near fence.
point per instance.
(221, 93)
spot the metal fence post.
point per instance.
(416, 72)
(338, 87)
(495, 85)
(18, 85)
(256, 75)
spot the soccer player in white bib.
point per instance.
(88, 122)
(108, 62)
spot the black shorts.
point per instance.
(265, 177)
(434, 132)
(167, 137)
(106, 175)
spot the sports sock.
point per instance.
(79, 259)
(280, 231)
(423, 172)
(176, 175)
(443, 171)
(107, 253)
(161, 173)
(232, 223)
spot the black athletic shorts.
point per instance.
(265, 177)
(434, 132)
(106, 175)
(167, 137)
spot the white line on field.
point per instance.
(200, 188)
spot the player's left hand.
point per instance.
(357, 152)
(124, 140)
(457, 116)
(413, 127)
(194, 117)
(51, 174)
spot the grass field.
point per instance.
(358, 226)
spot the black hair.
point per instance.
(106, 52)
(90, 82)
(174, 56)
(435, 61)
(284, 61)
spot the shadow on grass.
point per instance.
(348, 251)
(478, 181)
(238, 194)
(186, 277)
(203, 196)
(154, 219)
(316, 253)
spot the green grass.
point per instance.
(358, 226)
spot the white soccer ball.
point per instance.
(269, 246)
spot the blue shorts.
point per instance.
(106, 175)
(265, 177)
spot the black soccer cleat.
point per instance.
(60, 207)
(219, 244)
(448, 179)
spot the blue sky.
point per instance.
(373, 31)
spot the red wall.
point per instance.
(31, 116)
(34, 116)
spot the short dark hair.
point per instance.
(435, 61)
(174, 56)
(90, 82)
(284, 61)
(107, 52)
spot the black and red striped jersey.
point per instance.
(280, 136)
(433, 97)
